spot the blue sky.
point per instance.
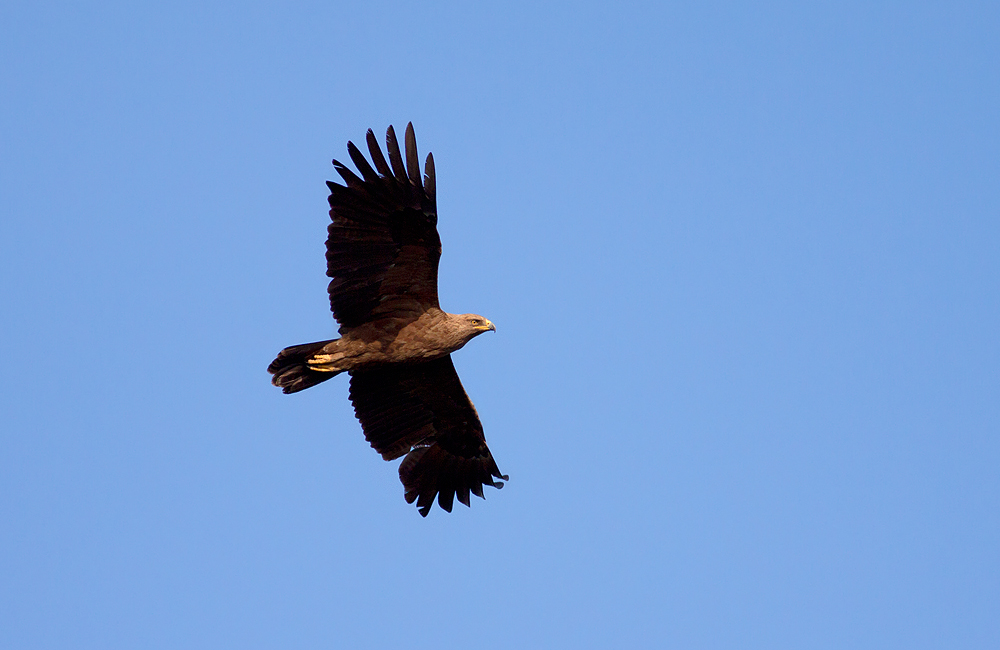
(744, 264)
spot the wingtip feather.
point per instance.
(376, 154)
(345, 172)
(392, 145)
(430, 182)
(361, 163)
(412, 160)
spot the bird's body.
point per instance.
(396, 341)
(431, 335)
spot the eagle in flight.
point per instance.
(395, 342)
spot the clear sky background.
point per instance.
(744, 260)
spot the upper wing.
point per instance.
(383, 247)
(421, 410)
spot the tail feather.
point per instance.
(292, 373)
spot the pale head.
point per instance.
(476, 324)
(468, 326)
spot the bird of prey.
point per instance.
(395, 342)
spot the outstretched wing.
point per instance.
(383, 247)
(421, 410)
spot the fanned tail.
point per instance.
(292, 373)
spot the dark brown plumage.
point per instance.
(382, 254)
